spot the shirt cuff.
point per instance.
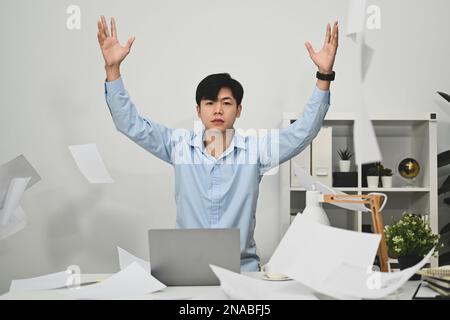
(321, 96)
(114, 86)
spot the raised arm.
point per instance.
(275, 149)
(152, 136)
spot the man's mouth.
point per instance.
(217, 121)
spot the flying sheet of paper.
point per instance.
(367, 53)
(46, 282)
(17, 222)
(90, 163)
(356, 17)
(241, 287)
(309, 252)
(18, 167)
(361, 283)
(364, 138)
(307, 181)
(14, 195)
(130, 282)
(126, 258)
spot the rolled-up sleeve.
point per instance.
(148, 134)
(292, 140)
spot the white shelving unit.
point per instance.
(399, 136)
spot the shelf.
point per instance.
(396, 189)
(398, 136)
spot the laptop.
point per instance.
(181, 257)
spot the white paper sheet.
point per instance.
(17, 222)
(90, 163)
(358, 282)
(46, 282)
(367, 53)
(309, 252)
(241, 287)
(14, 194)
(356, 17)
(364, 138)
(307, 181)
(130, 282)
(18, 167)
(126, 258)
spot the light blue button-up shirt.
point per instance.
(223, 192)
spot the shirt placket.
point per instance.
(215, 196)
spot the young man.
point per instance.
(217, 170)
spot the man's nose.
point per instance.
(218, 108)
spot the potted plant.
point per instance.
(386, 178)
(373, 177)
(344, 163)
(410, 239)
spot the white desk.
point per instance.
(170, 293)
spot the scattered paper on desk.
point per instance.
(359, 282)
(307, 182)
(18, 167)
(356, 17)
(126, 258)
(309, 252)
(129, 282)
(241, 287)
(49, 281)
(90, 163)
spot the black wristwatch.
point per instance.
(325, 77)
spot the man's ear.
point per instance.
(238, 112)
(198, 110)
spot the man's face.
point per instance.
(220, 114)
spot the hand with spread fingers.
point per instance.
(113, 52)
(324, 59)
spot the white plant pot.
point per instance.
(344, 165)
(372, 181)
(386, 181)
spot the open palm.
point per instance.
(112, 51)
(324, 59)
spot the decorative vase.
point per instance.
(386, 181)
(344, 165)
(405, 262)
(372, 181)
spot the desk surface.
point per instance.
(177, 293)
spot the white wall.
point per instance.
(51, 84)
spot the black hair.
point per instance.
(209, 87)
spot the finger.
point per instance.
(335, 40)
(310, 49)
(105, 27)
(99, 37)
(130, 43)
(113, 27)
(328, 34)
(100, 33)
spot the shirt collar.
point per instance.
(238, 140)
